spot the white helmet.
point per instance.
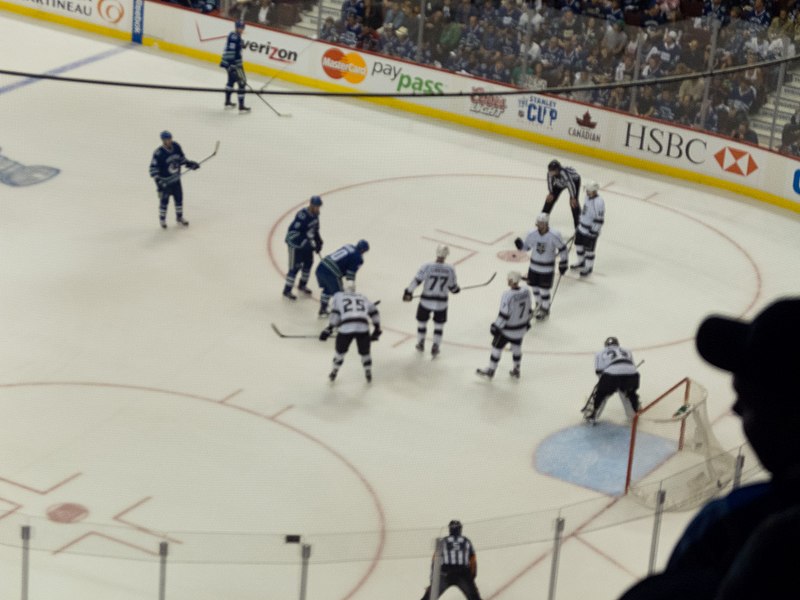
(514, 277)
(442, 251)
(542, 218)
(349, 285)
(592, 187)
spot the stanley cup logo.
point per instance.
(17, 175)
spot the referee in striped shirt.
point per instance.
(459, 565)
(559, 179)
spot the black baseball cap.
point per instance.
(766, 347)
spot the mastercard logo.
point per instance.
(111, 10)
(338, 65)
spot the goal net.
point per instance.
(673, 448)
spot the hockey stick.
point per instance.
(272, 108)
(560, 275)
(471, 287)
(290, 336)
(209, 157)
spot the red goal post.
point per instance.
(697, 469)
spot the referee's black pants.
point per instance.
(461, 577)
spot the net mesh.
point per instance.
(697, 468)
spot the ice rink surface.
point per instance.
(146, 398)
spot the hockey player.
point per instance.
(511, 325)
(459, 564)
(165, 169)
(342, 264)
(618, 373)
(438, 281)
(591, 222)
(352, 312)
(545, 245)
(559, 179)
(232, 63)
(303, 240)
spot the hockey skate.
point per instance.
(182, 221)
(323, 313)
(332, 375)
(586, 272)
(368, 375)
(578, 265)
(289, 295)
(163, 224)
(303, 289)
(229, 104)
(420, 347)
(435, 350)
(488, 373)
(244, 109)
(514, 372)
(542, 313)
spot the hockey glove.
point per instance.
(325, 334)
(376, 334)
(562, 268)
(160, 185)
(518, 243)
(190, 164)
(406, 296)
(494, 329)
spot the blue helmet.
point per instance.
(362, 246)
(239, 24)
(316, 201)
(166, 135)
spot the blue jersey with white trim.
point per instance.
(232, 55)
(345, 262)
(304, 230)
(166, 164)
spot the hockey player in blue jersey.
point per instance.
(342, 264)
(165, 169)
(303, 240)
(232, 62)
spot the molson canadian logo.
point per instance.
(733, 160)
(111, 10)
(338, 65)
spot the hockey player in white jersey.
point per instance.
(510, 326)
(618, 373)
(438, 280)
(351, 313)
(545, 245)
(593, 216)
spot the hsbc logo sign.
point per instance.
(736, 161)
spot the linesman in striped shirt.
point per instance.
(561, 178)
(459, 564)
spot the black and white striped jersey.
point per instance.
(593, 215)
(545, 247)
(457, 551)
(438, 280)
(515, 313)
(566, 179)
(351, 312)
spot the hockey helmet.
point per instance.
(592, 187)
(542, 218)
(454, 527)
(514, 277)
(554, 165)
(611, 341)
(316, 201)
(362, 246)
(239, 24)
(442, 251)
(166, 135)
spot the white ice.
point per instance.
(140, 378)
